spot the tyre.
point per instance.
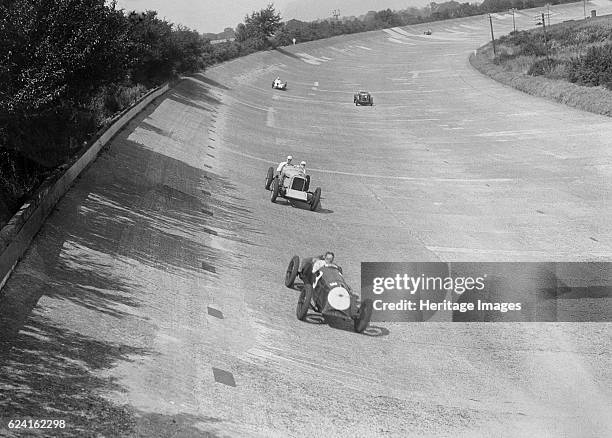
(292, 271)
(316, 198)
(269, 177)
(274, 193)
(304, 302)
(365, 313)
(307, 182)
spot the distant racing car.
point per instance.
(363, 98)
(328, 293)
(279, 85)
(292, 184)
(427, 32)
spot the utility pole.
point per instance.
(545, 39)
(336, 14)
(492, 37)
(548, 13)
(584, 7)
(513, 23)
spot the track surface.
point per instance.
(152, 303)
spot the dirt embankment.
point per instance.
(571, 63)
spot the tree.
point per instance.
(55, 56)
(187, 49)
(266, 21)
(388, 18)
(150, 49)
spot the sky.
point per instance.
(215, 15)
(202, 15)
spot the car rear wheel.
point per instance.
(304, 302)
(365, 314)
(269, 177)
(292, 271)
(316, 198)
(274, 193)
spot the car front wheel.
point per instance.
(292, 271)
(316, 198)
(304, 302)
(275, 188)
(365, 314)
(269, 177)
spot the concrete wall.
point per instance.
(16, 235)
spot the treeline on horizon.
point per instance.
(250, 39)
(302, 31)
(68, 66)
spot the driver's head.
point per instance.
(303, 164)
(289, 158)
(329, 257)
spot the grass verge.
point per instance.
(593, 99)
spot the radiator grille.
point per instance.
(298, 184)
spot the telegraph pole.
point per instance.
(336, 14)
(545, 39)
(492, 37)
(584, 7)
(513, 23)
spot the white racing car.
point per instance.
(292, 184)
(279, 85)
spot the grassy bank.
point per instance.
(572, 66)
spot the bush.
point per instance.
(543, 66)
(533, 48)
(18, 177)
(594, 68)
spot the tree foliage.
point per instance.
(55, 55)
(265, 22)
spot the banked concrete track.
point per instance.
(152, 301)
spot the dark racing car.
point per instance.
(328, 293)
(363, 98)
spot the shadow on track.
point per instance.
(286, 53)
(133, 208)
(192, 94)
(304, 206)
(202, 77)
(50, 372)
(342, 324)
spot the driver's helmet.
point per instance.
(289, 158)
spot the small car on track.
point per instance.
(279, 85)
(328, 293)
(363, 98)
(292, 184)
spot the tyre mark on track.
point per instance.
(368, 175)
